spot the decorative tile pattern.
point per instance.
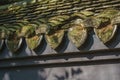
(56, 20)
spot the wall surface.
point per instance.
(101, 72)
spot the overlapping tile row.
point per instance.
(53, 20)
(30, 9)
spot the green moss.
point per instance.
(77, 34)
(55, 39)
(105, 33)
(108, 13)
(33, 42)
(27, 30)
(13, 42)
